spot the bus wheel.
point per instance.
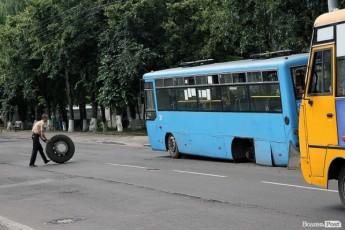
(341, 185)
(172, 147)
(60, 148)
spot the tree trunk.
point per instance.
(119, 123)
(93, 123)
(104, 120)
(63, 114)
(83, 115)
(138, 106)
(113, 116)
(133, 116)
(70, 102)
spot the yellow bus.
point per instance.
(322, 111)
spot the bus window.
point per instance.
(212, 79)
(169, 82)
(321, 73)
(189, 81)
(298, 78)
(225, 78)
(254, 77)
(178, 81)
(265, 98)
(200, 80)
(228, 98)
(269, 76)
(241, 97)
(325, 34)
(159, 83)
(186, 99)
(341, 76)
(209, 99)
(166, 99)
(239, 77)
(149, 101)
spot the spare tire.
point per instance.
(60, 148)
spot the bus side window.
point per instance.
(321, 73)
(341, 76)
(229, 97)
(300, 82)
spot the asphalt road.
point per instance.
(119, 186)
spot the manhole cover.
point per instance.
(66, 220)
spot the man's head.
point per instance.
(45, 117)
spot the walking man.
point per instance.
(38, 132)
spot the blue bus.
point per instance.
(243, 110)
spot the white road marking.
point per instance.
(196, 173)
(10, 224)
(26, 183)
(298, 186)
(130, 166)
(24, 154)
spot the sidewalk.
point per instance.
(85, 137)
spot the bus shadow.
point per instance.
(210, 159)
(203, 158)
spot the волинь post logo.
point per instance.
(326, 224)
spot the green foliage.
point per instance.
(128, 47)
(96, 51)
(10, 7)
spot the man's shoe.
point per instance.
(33, 165)
(47, 162)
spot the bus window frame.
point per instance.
(299, 92)
(311, 72)
(240, 97)
(316, 42)
(150, 114)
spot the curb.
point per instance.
(86, 137)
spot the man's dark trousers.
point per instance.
(37, 147)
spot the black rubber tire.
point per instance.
(341, 186)
(60, 148)
(172, 147)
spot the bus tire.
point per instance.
(341, 185)
(172, 147)
(60, 148)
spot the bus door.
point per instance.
(151, 115)
(320, 112)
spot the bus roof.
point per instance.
(242, 65)
(330, 17)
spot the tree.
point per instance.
(128, 46)
(10, 8)
(96, 51)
